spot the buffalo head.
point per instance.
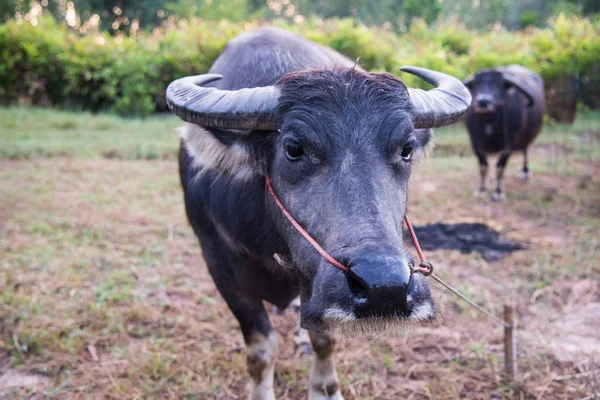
(489, 89)
(338, 146)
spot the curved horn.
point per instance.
(443, 105)
(519, 85)
(243, 109)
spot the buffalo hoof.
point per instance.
(317, 395)
(481, 193)
(525, 176)
(498, 196)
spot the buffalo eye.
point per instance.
(407, 151)
(293, 150)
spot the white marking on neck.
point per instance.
(209, 154)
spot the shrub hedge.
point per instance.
(49, 64)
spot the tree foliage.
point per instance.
(119, 15)
(9, 8)
(214, 10)
(130, 15)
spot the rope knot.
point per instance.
(425, 268)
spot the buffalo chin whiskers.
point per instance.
(378, 327)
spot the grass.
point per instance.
(34, 133)
(45, 133)
(103, 291)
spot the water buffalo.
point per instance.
(506, 115)
(337, 144)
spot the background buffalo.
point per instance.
(506, 115)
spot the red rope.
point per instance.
(414, 238)
(425, 267)
(306, 235)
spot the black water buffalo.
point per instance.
(506, 115)
(337, 144)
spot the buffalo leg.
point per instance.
(324, 382)
(301, 338)
(526, 175)
(262, 350)
(500, 166)
(483, 170)
(261, 345)
(260, 338)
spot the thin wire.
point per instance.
(426, 268)
(471, 302)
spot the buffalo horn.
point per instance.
(442, 105)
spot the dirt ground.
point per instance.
(104, 294)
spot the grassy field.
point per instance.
(104, 294)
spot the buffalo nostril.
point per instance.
(483, 102)
(358, 286)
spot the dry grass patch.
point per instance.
(103, 291)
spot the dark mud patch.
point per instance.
(466, 238)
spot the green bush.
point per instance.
(30, 66)
(48, 64)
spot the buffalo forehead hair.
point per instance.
(333, 90)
